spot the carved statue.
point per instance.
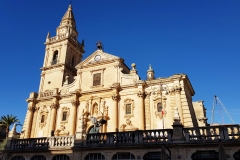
(62, 131)
(13, 132)
(128, 126)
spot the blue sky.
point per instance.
(200, 38)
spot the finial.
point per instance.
(176, 116)
(83, 43)
(150, 68)
(133, 71)
(133, 66)
(99, 45)
(48, 35)
(70, 6)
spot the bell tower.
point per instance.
(63, 52)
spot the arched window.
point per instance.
(205, 155)
(64, 116)
(123, 156)
(55, 57)
(18, 158)
(72, 62)
(159, 107)
(94, 156)
(61, 157)
(42, 118)
(153, 156)
(38, 157)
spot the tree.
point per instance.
(7, 121)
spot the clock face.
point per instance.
(97, 58)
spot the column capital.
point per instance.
(116, 86)
(148, 94)
(75, 103)
(54, 106)
(116, 97)
(141, 94)
(31, 108)
(178, 89)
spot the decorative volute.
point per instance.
(68, 24)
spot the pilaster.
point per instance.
(32, 100)
(141, 95)
(147, 111)
(73, 113)
(115, 97)
(54, 106)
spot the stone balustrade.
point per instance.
(141, 137)
(212, 133)
(46, 93)
(128, 138)
(58, 37)
(41, 143)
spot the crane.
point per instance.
(217, 102)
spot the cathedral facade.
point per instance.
(75, 92)
(98, 108)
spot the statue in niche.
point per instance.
(96, 113)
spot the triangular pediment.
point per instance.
(97, 57)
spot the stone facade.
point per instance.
(101, 103)
(73, 90)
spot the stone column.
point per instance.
(104, 114)
(34, 122)
(54, 106)
(147, 111)
(31, 110)
(116, 97)
(141, 114)
(73, 115)
(178, 102)
(114, 116)
(32, 100)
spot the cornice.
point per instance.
(58, 66)
(56, 39)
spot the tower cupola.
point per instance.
(63, 52)
(68, 24)
(150, 73)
